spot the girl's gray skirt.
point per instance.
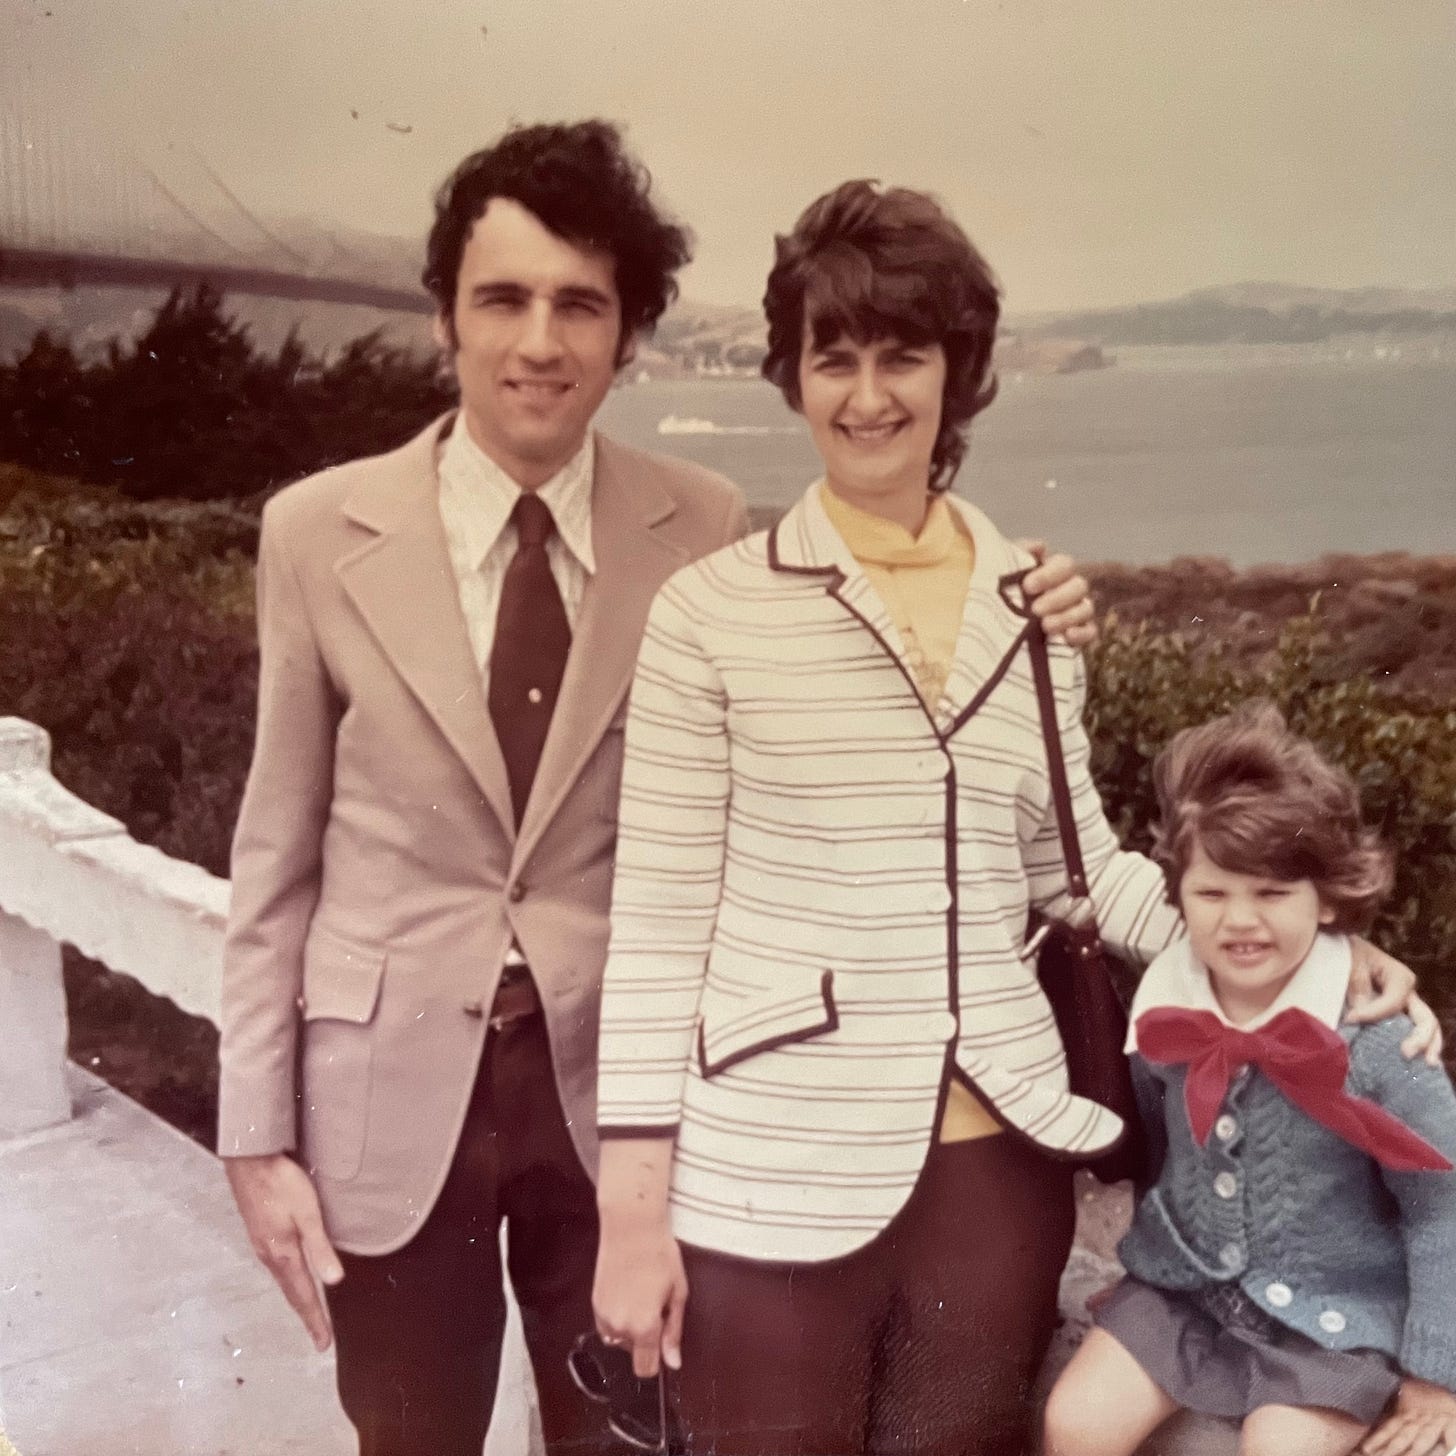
(1218, 1353)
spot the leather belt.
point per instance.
(516, 998)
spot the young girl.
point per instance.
(1291, 1266)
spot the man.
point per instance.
(422, 869)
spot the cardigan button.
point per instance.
(1332, 1322)
(1281, 1296)
(1226, 1185)
(1231, 1256)
(1225, 1128)
(938, 898)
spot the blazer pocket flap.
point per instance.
(731, 1031)
(341, 980)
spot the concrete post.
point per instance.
(32, 999)
(32, 1030)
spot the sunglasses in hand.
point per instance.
(636, 1409)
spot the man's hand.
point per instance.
(1059, 596)
(1423, 1423)
(281, 1212)
(1381, 986)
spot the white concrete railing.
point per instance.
(70, 873)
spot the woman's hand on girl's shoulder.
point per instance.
(1382, 986)
(1421, 1423)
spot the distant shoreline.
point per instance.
(1349, 350)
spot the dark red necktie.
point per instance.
(528, 656)
(1305, 1059)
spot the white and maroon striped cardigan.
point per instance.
(822, 891)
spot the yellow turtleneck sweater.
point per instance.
(922, 581)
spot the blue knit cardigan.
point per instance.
(1313, 1230)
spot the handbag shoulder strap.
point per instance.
(1046, 702)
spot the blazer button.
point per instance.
(516, 893)
(474, 1008)
(1281, 1296)
(1332, 1322)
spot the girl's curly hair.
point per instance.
(1260, 800)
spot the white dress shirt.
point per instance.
(476, 501)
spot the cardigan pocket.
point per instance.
(341, 989)
(732, 1031)
(1155, 1249)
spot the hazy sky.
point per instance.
(1099, 151)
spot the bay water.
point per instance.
(1254, 454)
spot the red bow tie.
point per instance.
(1305, 1059)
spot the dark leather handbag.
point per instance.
(1079, 975)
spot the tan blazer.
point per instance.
(377, 874)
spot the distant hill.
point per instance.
(715, 339)
(1258, 313)
(698, 338)
(1282, 297)
(706, 338)
(89, 316)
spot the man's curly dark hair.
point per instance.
(890, 263)
(581, 182)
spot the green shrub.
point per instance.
(1145, 685)
(140, 662)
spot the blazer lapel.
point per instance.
(633, 558)
(990, 630)
(805, 542)
(404, 587)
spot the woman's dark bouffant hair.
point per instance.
(583, 184)
(875, 264)
(1261, 801)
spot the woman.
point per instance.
(826, 1068)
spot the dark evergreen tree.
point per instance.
(192, 410)
(43, 405)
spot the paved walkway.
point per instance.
(134, 1320)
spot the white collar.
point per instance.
(486, 495)
(1177, 978)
